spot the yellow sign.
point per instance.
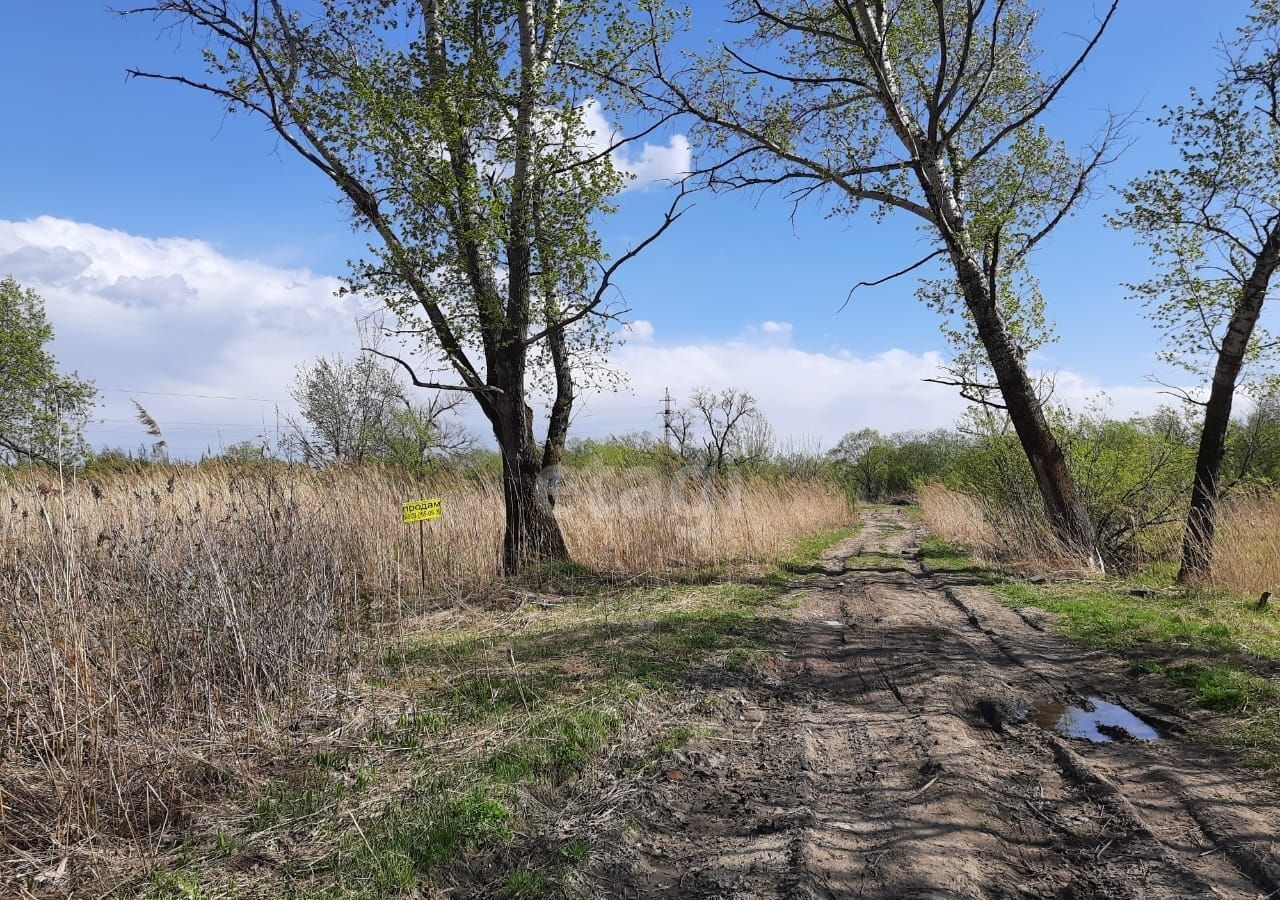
(421, 510)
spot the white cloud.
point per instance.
(640, 330)
(647, 163)
(174, 315)
(154, 291)
(1080, 392)
(657, 163)
(809, 394)
(48, 265)
(805, 394)
(778, 329)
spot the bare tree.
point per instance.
(1212, 224)
(924, 107)
(456, 134)
(682, 429)
(729, 423)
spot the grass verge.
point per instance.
(1218, 647)
(493, 746)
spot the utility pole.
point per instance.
(666, 418)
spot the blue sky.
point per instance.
(143, 160)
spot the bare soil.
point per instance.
(886, 751)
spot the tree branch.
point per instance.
(879, 281)
(967, 388)
(669, 218)
(1049, 95)
(417, 382)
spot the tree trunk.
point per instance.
(1066, 511)
(1197, 538)
(561, 408)
(532, 535)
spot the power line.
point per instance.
(166, 423)
(197, 396)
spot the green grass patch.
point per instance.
(1217, 686)
(938, 555)
(435, 823)
(1218, 648)
(555, 748)
(1105, 612)
(528, 884)
(671, 739)
(808, 550)
(575, 851)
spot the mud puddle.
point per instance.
(1094, 720)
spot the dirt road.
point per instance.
(906, 745)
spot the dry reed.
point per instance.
(1246, 547)
(954, 517)
(1010, 536)
(156, 627)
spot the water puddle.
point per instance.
(1095, 720)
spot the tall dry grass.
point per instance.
(155, 627)
(1246, 547)
(1010, 536)
(955, 517)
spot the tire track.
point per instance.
(881, 756)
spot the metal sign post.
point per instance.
(421, 511)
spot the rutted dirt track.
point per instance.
(884, 757)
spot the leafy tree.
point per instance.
(420, 434)
(42, 411)
(635, 449)
(921, 456)
(1253, 446)
(1131, 473)
(1212, 224)
(456, 134)
(358, 411)
(346, 408)
(889, 465)
(924, 107)
(246, 452)
(866, 454)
